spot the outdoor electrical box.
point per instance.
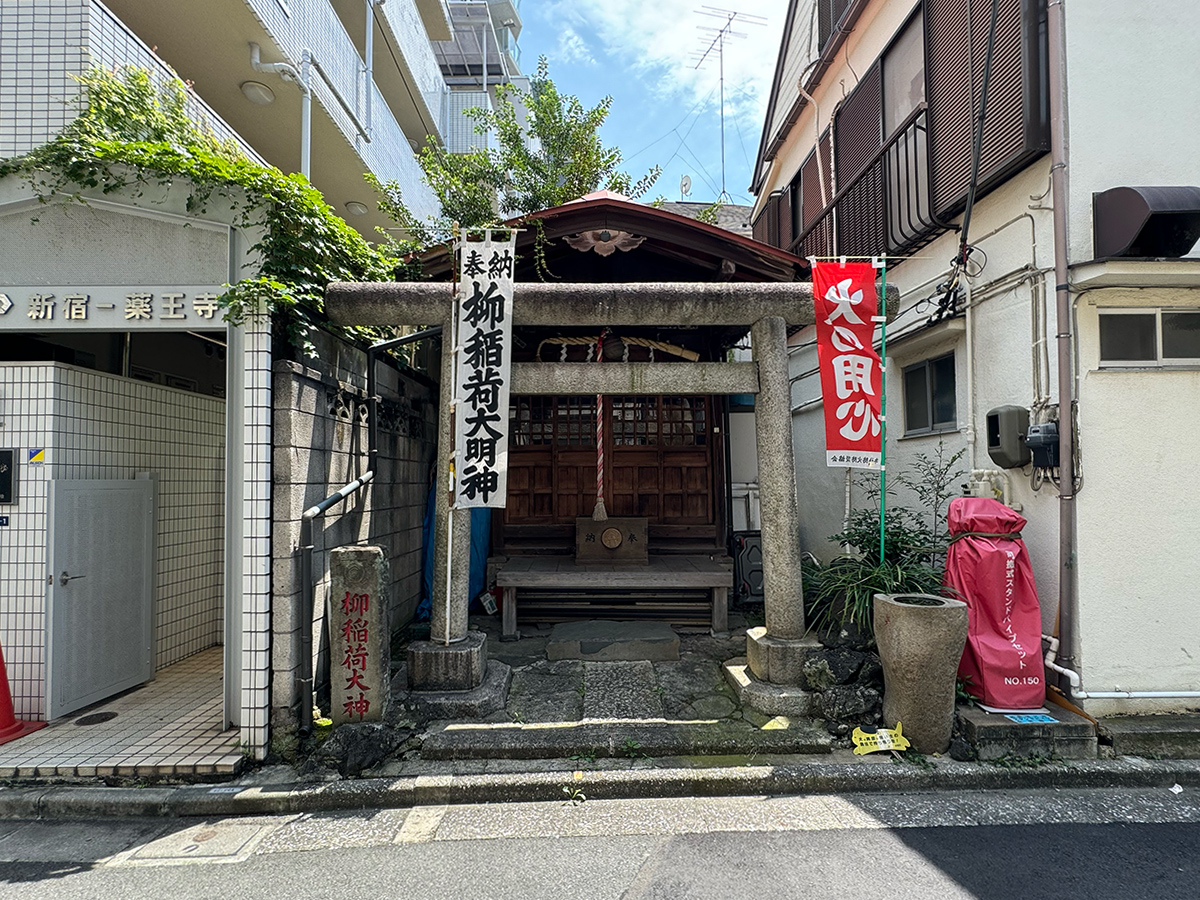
(1042, 441)
(1006, 427)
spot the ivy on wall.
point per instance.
(134, 133)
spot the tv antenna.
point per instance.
(685, 186)
(717, 42)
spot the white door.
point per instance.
(100, 588)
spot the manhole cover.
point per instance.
(96, 718)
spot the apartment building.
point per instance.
(1070, 318)
(161, 459)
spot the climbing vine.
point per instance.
(133, 132)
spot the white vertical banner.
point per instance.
(481, 377)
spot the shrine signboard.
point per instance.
(483, 345)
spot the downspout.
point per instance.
(303, 80)
(1067, 607)
(306, 114)
(369, 63)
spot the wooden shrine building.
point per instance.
(658, 362)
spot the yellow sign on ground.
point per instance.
(882, 739)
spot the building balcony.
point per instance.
(49, 46)
(484, 49)
(354, 129)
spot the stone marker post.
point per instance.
(359, 639)
(448, 619)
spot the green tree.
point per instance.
(547, 152)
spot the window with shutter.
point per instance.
(785, 217)
(829, 16)
(1016, 128)
(859, 138)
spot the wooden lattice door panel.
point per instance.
(575, 484)
(662, 459)
(530, 486)
(658, 452)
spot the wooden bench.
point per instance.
(663, 572)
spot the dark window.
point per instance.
(1128, 337)
(929, 403)
(1137, 336)
(1181, 335)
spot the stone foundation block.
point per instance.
(778, 660)
(769, 699)
(458, 667)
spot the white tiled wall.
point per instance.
(94, 426)
(256, 537)
(44, 43)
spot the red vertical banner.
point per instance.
(845, 305)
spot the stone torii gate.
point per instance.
(455, 659)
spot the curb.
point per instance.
(73, 802)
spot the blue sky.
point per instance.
(665, 112)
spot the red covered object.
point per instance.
(990, 572)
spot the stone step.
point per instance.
(1158, 737)
(608, 641)
(621, 690)
(614, 739)
(996, 735)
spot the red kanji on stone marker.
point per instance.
(358, 707)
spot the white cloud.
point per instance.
(572, 48)
(657, 39)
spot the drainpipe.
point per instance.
(306, 115)
(369, 62)
(1067, 606)
(1078, 693)
(300, 78)
(303, 80)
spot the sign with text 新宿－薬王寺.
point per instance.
(111, 307)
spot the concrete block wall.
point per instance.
(320, 444)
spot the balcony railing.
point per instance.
(886, 206)
(315, 26)
(112, 45)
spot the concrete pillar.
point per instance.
(448, 623)
(782, 591)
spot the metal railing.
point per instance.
(304, 679)
(885, 205)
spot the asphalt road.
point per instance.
(1020, 844)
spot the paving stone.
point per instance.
(1159, 737)
(621, 690)
(612, 641)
